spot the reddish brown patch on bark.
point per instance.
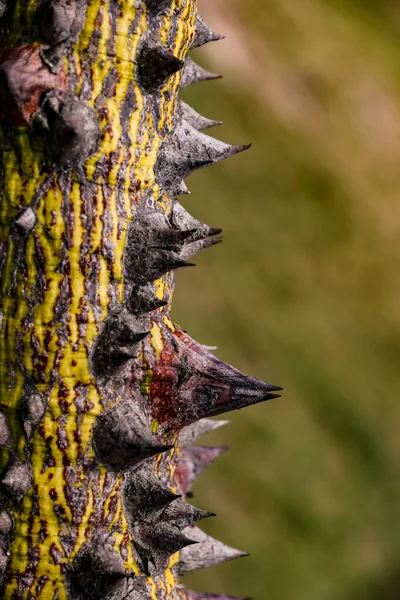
(24, 81)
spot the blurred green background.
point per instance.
(304, 293)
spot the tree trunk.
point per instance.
(101, 394)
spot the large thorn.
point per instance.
(155, 65)
(195, 119)
(162, 541)
(203, 33)
(105, 560)
(142, 300)
(189, 595)
(18, 479)
(5, 431)
(193, 461)
(118, 341)
(189, 383)
(59, 20)
(121, 438)
(180, 514)
(152, 249)
(208, 552)
(190, 434)
(183, 220)
(145, 495)
(98, 572)
(72, 129)
(187, 151)
(194, 73)
(190, 250)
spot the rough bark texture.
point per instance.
(101, 394)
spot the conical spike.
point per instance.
(181, 219)
(26, 222)
(56, 20)
(204, 34)
(118, 341)
(192, 249)
(195, 119)
(142, 300)
(190, 434)
(5, 431)
(121, 438)
(154, 265)
(32, 409)
(180, 514)
(18, 479)
(105, 560)
(164, 540)
(6, 523)
(157, 6)
(98, 571)
(189, 595)
(180, 189)
(193, 461)
(194, 73)
(187, 151)
(155, 65)
(208, 552)
(145, 495)
(189, 383)
(152, 249)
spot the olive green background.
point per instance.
(304, 293)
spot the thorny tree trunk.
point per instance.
(101, 394)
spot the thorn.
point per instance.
(6, 523)
(146, 495)
(18, 479)
(190, 383)
(72, 130)
(145, 262)
(187, 151)
(192, 249)
(32, 409)
(180, 514)
(119, 341)
(183, 220)
(105, 560)
(142, 300)
(5, 431)
(55, 19)
(155, 65)
(122, 438)
(98, 571)
(195, 119)
(204, 34)
(26, 222)
(194, 73)
(208, 552)
(190, 434)
(164, 540)
(193, 461)
(180, 189)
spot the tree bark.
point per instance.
(101, 394)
